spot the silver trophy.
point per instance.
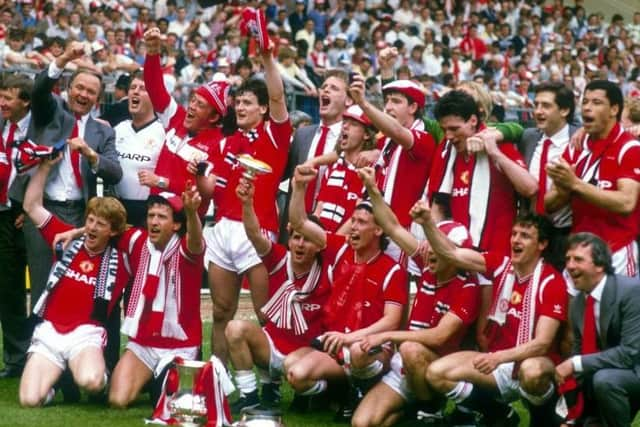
(186, 406)
(260, 418)
(253, 166)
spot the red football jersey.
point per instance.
(552, 300)
(359, 291)
(190, 268)
(270, 146)
(286, 340)
(404, 173)
(71, 301)
(459, 296)
(602, 163)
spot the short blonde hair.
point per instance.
(110, 209)
(480, 94)
(632, 105)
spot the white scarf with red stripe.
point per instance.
(285, 306)
(500, 306)
(156, 286)
(479, 186)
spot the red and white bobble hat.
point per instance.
(407, 88)
(355, 113)
(215, 92)
(456, 232)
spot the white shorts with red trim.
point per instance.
(229, 247)
(509, 387)
(396, 380)
(156, 358)
(276, 358)
(59, 348)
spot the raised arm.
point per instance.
(245, 192)
(277, 100)
(466, 259)
(386, 124)
(297, 214)
(32, 203)
(385, 217)
(152, 71)
(191, 200)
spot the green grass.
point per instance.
(85, 414)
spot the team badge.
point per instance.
(464, 177)
(86, 266)
(516, 298)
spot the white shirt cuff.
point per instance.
(54, 72)
(577, 363)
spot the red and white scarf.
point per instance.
(500, 306)
(156, 288)
(285, 306)
(212, 382)
(479, 186)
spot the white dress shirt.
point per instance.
(596, 294)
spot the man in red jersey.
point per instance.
(476, 190)
(368, 295)
(406, 150)
(444, 308)
(297, 291)
(601, 182)
(264, 132)
(83, 286)
(528, 309)
(162, 319)
(193, 135)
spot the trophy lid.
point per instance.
(191, 364)
(253, 164)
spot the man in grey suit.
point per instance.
(73, 181)
(605, 317)
(314, 140)
(554, 106)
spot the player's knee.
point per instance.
(361, 419)
(296, 376)
(30, 398)
(436, 374)
(411, 352)
(91, 380)
(359, 358)
(222, 312)
(118, 399)
(235, 331)
(536, 375)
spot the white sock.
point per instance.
(317, 388)
(460, 392)
(49, 397)
(369, 371)
(246, 381)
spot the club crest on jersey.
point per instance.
(516, 298)
(464, 177)
(87, 266)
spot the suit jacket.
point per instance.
(619, 335)
(52, 121)
(530, 138)
(299, 150)
(116, 112)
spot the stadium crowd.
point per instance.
(484, 152)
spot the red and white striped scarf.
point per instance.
(285, 306)
(156, 289)
(500, 305)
